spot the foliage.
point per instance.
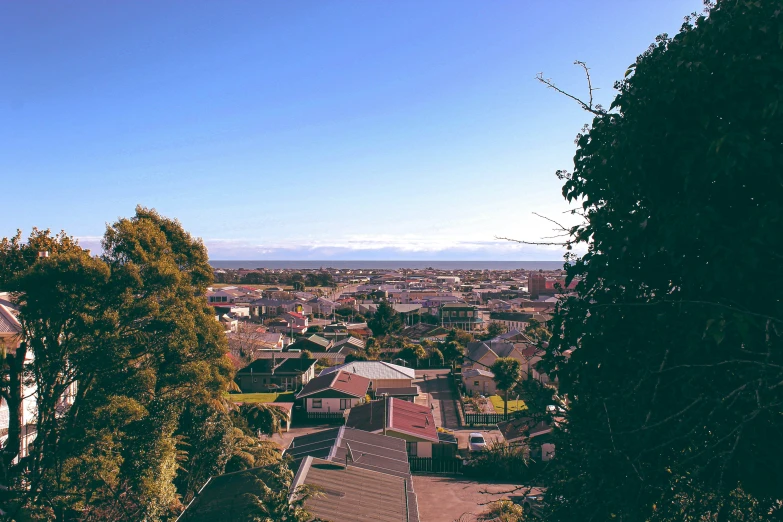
(507, 374)
(460, 337)
(502, 511)
(133, 330)
(412, 353)
(306, 354)
(247, 451)
(493, 330)
(436, 357)
(260, 418)
(356, 357)
(385, 321)
(500, 461)
(453, 352)
(675, 378)
(272, 503)
(537, 331)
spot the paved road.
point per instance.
(437, 386)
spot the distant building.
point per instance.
(459, 315)
(536, 284)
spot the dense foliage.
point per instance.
(676, 377)
(385, 321)
(129, 338)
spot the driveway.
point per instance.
(436, 384)
(447, 499)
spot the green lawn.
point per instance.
(262, 397)
(513, 405)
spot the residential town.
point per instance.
(347, 385)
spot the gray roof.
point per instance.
(374, 370)
(355, 494)
(476, 372)
(370, 450)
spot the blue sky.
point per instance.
(307, 130)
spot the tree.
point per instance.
(355, 357)
(306, 354)
(412, 353)
(453, 352)
(494, 329)
(507, 372)
(385, 321)
(537, 331)
(436, 357)
(503, 511)
(674, 379)
(132, 329)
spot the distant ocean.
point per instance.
(392, 265)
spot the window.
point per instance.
(317, 403)
(470, 314)
(475, 383)
(345, 404)
(412, 449)
(462, 314)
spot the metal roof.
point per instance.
(374, 370)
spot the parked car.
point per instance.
(476, 442)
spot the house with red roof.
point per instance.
(334, 392)
(405, 420)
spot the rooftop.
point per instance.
(343, 383)
(374, 370)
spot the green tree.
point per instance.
(537, 331)
(436, 357)
(675, 375)
(413, 353)
(132, 329)
(453, 352)
(385, 321)
(306, 354)
(494, 329)
(507, 372)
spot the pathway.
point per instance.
(441, 397)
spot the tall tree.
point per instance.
(385, 321)
(507, 372)
(674, 380)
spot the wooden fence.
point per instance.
(430, 465)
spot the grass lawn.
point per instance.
(513, 405)
(262, 397)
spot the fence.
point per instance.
(483, 419)
(430, 465)
(335, 416)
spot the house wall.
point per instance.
(424, 449)
(258, 383)
(330, 405)
(480, 384)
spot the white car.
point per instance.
(476, 442)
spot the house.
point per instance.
(479, 381)
(523, 430)
(289, 323)
(314, 343)
(356, 494)
(322, 358)
(348, 345)
(482, 354)
(264, 375)
(267, 307)
(511, 320)
(10, 345)
(230, 295)
(370, 450)
(334, 392)
(411, 422)
(380, 374)
(513, 336)
(322, 306)
(424, 332)
(462, 316)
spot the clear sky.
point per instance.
(308, 129)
